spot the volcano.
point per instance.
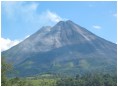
(65, 48)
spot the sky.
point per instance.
(20, 19)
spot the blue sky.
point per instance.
(21, 19)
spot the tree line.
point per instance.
(89, 80)
(78, 80)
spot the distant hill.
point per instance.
(65, 48)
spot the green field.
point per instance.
(43, 82)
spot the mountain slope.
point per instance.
(63, 48)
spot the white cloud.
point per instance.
(28, 12)
(97, 27)
(53, 16)
(7, 43)
(16, 8)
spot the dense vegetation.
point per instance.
(89, 80)
(53, 80)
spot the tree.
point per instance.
(5, 69)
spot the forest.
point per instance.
(89, 79)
